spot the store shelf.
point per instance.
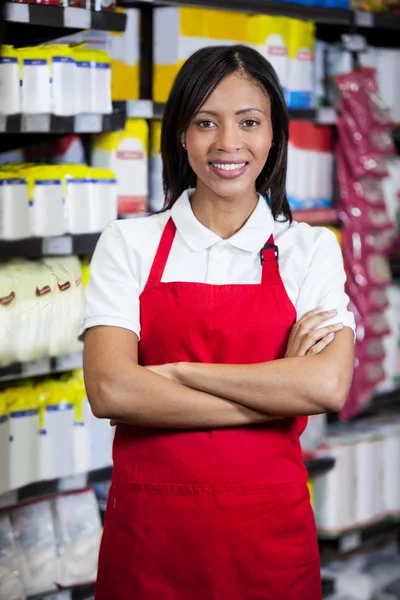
(43, 489)
(320, 216)
(147, 109)
(46, 123)
(69, 17)
(76, 592)
(353, 539)
(319, 466)
(396, 133)
(44, 366)
(49, 246)
(328, 587)
(299, 11)
(384, 402)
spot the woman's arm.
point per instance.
(119, 389)
(291, 386)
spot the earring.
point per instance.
(183, 145)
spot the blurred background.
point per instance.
(82, 89)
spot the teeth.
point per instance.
(231, 167)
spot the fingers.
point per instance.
(321, 345)
(309, 339)
(314, 318)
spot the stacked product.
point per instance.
(123, 49)
(362, 487)
(55, 79)
(126, 154)
(49, 200)
(47, 431)
(287, 43)
(40, 308)
(310, 151)
(47, 544)
(365, 208)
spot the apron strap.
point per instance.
(163, 250)
(269, 256)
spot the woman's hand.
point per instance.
(306, 339)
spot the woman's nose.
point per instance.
(229, 139)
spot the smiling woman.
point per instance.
(213, 329)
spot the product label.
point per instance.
(81, 64)
(130, 155)
(8, 61)
(63, 59)
(102, 65)
(303, 55)
(276, 51)
(59, 407)
(34, 62)
(24, 413)
(12, 182)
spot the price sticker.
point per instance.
(88, 123)
(77, 18)
(354, 43)
(57, 245)
(326, 116)
(36, 367)
(364, 19)
(350, 541)
(140, 109)
(69, 362)
(35, 123)
(19, 13)
(74, 482)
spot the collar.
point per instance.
(251, 237)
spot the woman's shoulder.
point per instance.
(301, 235)
(138, 232)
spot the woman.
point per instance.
(192, 346)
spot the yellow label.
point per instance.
(124, 81)
(301, 38)
(163, 79)
(155, 137)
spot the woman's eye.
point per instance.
(205, 124)
(250, 123)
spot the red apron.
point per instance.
(210, 514)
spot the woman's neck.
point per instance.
(223, 216)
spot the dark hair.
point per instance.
(197, 79)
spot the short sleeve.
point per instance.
(323, 284)
(112, 294)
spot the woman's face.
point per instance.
(229, 139)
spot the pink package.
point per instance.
(357, 217)
(366, 377)
(368, 189)
(380, 112)
(365, 268)
(358, 151)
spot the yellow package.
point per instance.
(157, 199)
(301, 64)
(125, 57)
(179, 32)
(125, 154)
(270, 36)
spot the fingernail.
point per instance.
(331, 336)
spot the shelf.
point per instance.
(43, 489)
(319, 466)
(348, 541)
(46, 123)
(328, 587)
(76, 592)
(44, 366)
(147, 109)
(382, 403)
(68, 18)
(318, 216)
(49, 246)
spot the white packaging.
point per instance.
(102, 87)
(10, 97)
(85, 84)
(46, 204)
(7, 316)
(156, 198)
(14, 208)
(125, 154)
(4, 450)
(66, 305)
(105, 203)
(32, 324)
(22, 452)
(65, 91)
(101, 437)
(79, 200)
(335, 491)
(36, 82)
(59, 422)
(315, 433)
(369, 473)
(391, 466)
(11, 584)
(79, 530)
(34, 531)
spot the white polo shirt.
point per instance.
(310, 262)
